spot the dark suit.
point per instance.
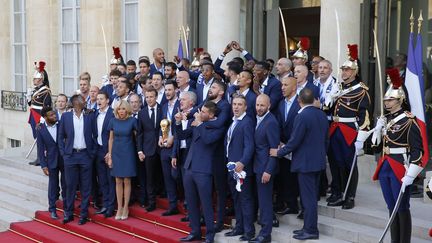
(154, 69)
(267, 135)
(314, 88)
(105, 180)
(147, 142)
(198, 175)
(274, 91)
(308, 143)
(250, 100)
(199, 91)
(78, 164)
(49, 157)
(239, 147)
(109, 89)
(166, 153)
(287, 182)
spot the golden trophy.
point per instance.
(165, 128)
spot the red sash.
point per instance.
(349, 133)
(397, 167)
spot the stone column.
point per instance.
(176, 14)
(223, 26)
(349, 22)
(153, 26)
(95, 15)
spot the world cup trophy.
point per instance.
(165, 128)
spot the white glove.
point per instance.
(430, 183)
(378, 129)
(408, 179)
(363, 135)
(359, 147)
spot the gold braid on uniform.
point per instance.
(409, 115)
(46, 92)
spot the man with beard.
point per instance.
(170, 71)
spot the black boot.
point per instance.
(394, 229)
(405, 226)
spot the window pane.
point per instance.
(67, 25)
(19, 62)
(131, 22)
(68, 60)
(69, 86)
(78, 61)
(131, 51)
(18, 24)
(67, 3)
(77, 2)
(18, 5)
(19, 83)
(78, 25)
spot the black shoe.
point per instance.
(348, 204)
(35, 163)
(190, 238)
(218, 227)
(306, 236)
(170, 212)
(336, 203)
(54, 215)
(102, 211)
(261, 239)
(246, 237)
(287, 211)
(185, 219)
(82, 221)
(108, 214)
(67, 219)
(233, 232)
(300, 215)
(151, 207)
(332, 198)
(275, 222)
(297, 232)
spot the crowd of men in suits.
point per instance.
(279, 129)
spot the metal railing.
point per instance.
(16, 100)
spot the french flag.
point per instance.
(415, 87)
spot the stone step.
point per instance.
(344, 230)
(7, 217)
(20, 205)
(39, 181)
(24, 191)
(20, 163)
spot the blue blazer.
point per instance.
(203, 147)
(199, 92)
(274, 91)
(109, 89)
(163, 100)
(186, 133)
(105, 132)
(242, 146)
(148, 136)
(267, 135)
(67, 133)
(287, 126)
(308, 142)
(223, 115)
(46, 143)
(164, 109)
(153, 69)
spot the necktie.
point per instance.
(152, 117)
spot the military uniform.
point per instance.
(401, 148)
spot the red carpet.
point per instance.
(141, 226)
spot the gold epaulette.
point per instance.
(364, 86)
(409, 114)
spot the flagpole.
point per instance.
(412, 21)
(419, 20)
(187, 41)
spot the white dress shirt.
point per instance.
(263, 85)
(52, 130)
(260, 119)
(100, 122)
(78, 123)
(161, 93)
(206, 88)
(300, 87)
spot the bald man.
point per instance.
(286, 182)
(183, 80)
(283, 68)
(301, 73)
(158, 64)
(267, 136)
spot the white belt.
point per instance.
(37, 107)
(344, 119)
(388, 150)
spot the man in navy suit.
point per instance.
(265, 84)
(308, 145)
(203, 88)
(158, 64)
(199, 169)
(239, 148)
(149, 119)
(169, 109)
(300, 73)
(157, 83)
(77, 146)
(106, 182)
(243, 87)
(183, 82)
(288, 188)
(267, 136)
(50, 159)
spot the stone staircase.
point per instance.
(23, 191)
